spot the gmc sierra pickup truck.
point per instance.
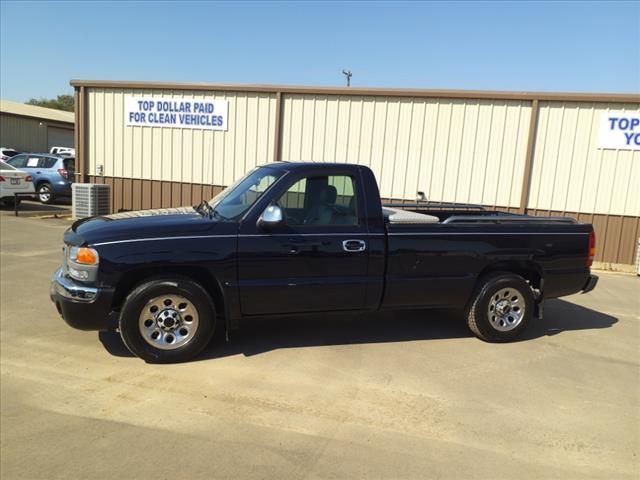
(300, 238)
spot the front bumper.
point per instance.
(82, 307)
(590, 284)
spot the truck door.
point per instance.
(317, 261)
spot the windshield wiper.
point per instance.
(205, 208)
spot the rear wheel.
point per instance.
(501, 307)
(45, 193)
(167, 320)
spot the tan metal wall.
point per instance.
(25, 133)
(176, 154)
(570, 173)
(476, 147)
(451, 149)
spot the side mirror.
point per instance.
(272, 217)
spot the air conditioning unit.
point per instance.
(90, 199)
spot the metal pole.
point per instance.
(348, 74)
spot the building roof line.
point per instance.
(33, 111)
(388, 92)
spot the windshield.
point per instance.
(238, 198)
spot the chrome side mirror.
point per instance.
(271, 217)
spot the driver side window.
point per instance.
(325, 200)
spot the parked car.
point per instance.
(7, 153)
(299, 238)
(52, 174)
(63, 151)
(13, 181)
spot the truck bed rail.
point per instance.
(435, 206)
(507, 219)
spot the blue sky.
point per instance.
(572, 46)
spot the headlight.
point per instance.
(84, 256)
(82, 264)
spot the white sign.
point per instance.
(176, 113)
(619, 131)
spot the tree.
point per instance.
(62, 102)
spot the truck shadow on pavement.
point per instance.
(264, 335)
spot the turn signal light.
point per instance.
(592, 248)
(28, 178)
(88, 256)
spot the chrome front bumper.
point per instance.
(67, 288)
(83, 307)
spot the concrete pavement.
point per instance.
(399, 395)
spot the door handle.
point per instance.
(354, 245)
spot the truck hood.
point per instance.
(167, 222)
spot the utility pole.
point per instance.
(348, 74)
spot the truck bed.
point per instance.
(442, 249)
(447, 213)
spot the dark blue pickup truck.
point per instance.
(299, 238)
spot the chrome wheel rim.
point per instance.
(168, 322)
(44, 194)
(506, 309)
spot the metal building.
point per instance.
(539, 153)
(29, 128)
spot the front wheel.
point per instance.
(167, 320)
(501, 307)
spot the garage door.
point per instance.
(59, 137)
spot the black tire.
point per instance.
(44, 189)
(139, 298)
(484, 325)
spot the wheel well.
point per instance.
(41, 182)
(527, 270)
(199, 275)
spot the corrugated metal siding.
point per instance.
(570, 174)
(176, 154)
(460, 150)
(616, 235)
(25, 134)
(453, 150)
